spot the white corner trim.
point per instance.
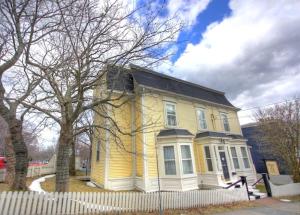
(133, 138)
(145, 159)
(107, 151)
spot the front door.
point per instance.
(224, 166)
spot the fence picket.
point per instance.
(29, 203)
(91, 203)
(55, 202)
(18, 202)
(59, 202)
(7, 203)
(35, 203)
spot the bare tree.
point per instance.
(279, 127)
(23, 22)
(73, 60)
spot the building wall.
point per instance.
(186, 119)
(149, 111)
(259, 153)
(98, 167)
(138, 137)
(120, 153)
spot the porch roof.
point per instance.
(218, 134)
(174, 132)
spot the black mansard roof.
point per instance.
(158, 81)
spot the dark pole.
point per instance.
(267, 184)
(244, 181)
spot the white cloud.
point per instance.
(253, 55)
(187, 10)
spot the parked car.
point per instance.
(2, 163)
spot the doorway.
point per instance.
(224, 166)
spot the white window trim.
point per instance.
(242, 158)
(237, 157)
(211, 157)
(178, 161)
(175, 158)
(192, 159)
(198, 119)
(221, 120)
(166, 115)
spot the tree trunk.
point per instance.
(63, 158)
(21, 154)
(72, 170)
(296, 171)
(10, 162)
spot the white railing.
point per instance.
(95, 203)
(285, 190)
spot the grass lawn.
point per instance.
(75, 185)
(261, 188)
(5, 187)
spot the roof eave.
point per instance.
(188, 97)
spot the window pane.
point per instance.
(233, 152)
(209, 165)
(169, 152)
(246, 162)
(244, 153)
(170, 109)
(207, 152)
(171, 115)
(171, 120)
(202, 120)
(187, 167)
(236, 163)
(186, 152)
(208, 158)
(170, 167)
(225, 122)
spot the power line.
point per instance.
(256, 107)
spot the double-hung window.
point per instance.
(169, 159)
(201, 119)
(225, 121)
(208, 158)
(171, 115)
(245, 157)
(186, 157)
(235, 158)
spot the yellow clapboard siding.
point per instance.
(120, 153)
(139, 137)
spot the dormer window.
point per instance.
(225, 122)
(201, 119)
(170, 115)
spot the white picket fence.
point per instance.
(94, 203)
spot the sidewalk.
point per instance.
(269, 206)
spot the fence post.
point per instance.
(267, 184)
(244, 181)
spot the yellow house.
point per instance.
(190, 138)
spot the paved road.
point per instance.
(278, 208)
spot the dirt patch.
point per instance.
(208, 209)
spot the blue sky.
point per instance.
(248, 49)
(215, 11)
